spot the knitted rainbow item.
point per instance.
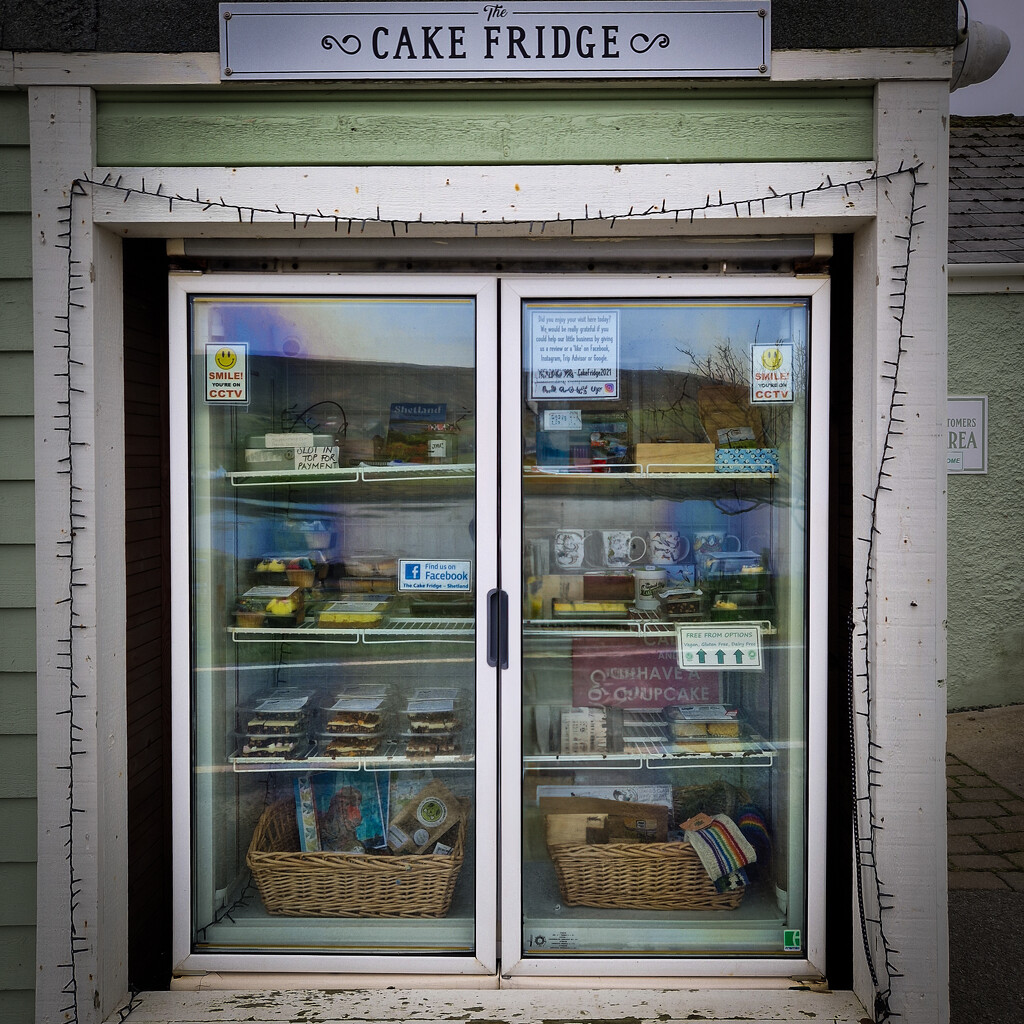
(723, 851)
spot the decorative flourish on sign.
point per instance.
(647, 42)
(329, 42)
(869, 885)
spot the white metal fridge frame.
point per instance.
(499, 887)
(515, 966)
(483, 289)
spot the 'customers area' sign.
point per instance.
(966, 434)
(532, 39)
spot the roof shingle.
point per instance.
(986, 190)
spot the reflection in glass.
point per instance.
(332, 564)
(664, 657)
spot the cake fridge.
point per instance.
(498, 633)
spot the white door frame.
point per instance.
(514, 960)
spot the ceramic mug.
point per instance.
(569, 548)
(621, 547)
(649, 582)
(714, 542)
(666, 547)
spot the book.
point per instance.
(351, 810)
(305, 813)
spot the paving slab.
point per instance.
(995, 842)
(990, 741)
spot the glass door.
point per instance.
(664, 482)
(334, 488)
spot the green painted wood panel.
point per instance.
(16, 315)
(18, 1007)
(18, 699)
(18, 650)
(16, 452)
(15, 245)
(13, 118)
(19, 823)
(18, 778)
(18, 570)
(17, 957)
(16, 384)
(15, 180)
(17, 511)
(18, 884)
(483, 127)
(17, 557)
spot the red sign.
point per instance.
(632, 674)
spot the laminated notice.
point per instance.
(584, 731)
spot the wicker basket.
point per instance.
(298, 884)
(301, 577)
(641, 876)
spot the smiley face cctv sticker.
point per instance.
(227, 373)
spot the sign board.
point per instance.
(771, 374)
(227, 374)
(435, 576)
(562, 419)
(735, 646)
(623, 674)
(574, 353)
(967, 434)
(490, 40)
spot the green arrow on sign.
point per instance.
(702, 656)
(720, 656)
(739, 657)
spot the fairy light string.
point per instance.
(866, 772)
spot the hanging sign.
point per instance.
(771, 374)
(714, 647)
(967, 434)
(530, 39)
(227, 375)
(574, 353)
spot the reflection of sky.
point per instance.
(435, 332)
(652, 334)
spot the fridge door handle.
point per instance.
(497, 628)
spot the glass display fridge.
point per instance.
(498, 624)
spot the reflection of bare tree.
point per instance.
(722, 365)
(728, 367)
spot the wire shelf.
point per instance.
(398, 630)
(401, 472)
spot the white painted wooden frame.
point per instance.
(139, 70)
(907, 606)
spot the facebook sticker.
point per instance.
(437, 576)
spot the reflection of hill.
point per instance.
(366, 390)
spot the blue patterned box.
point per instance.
(746, 460)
